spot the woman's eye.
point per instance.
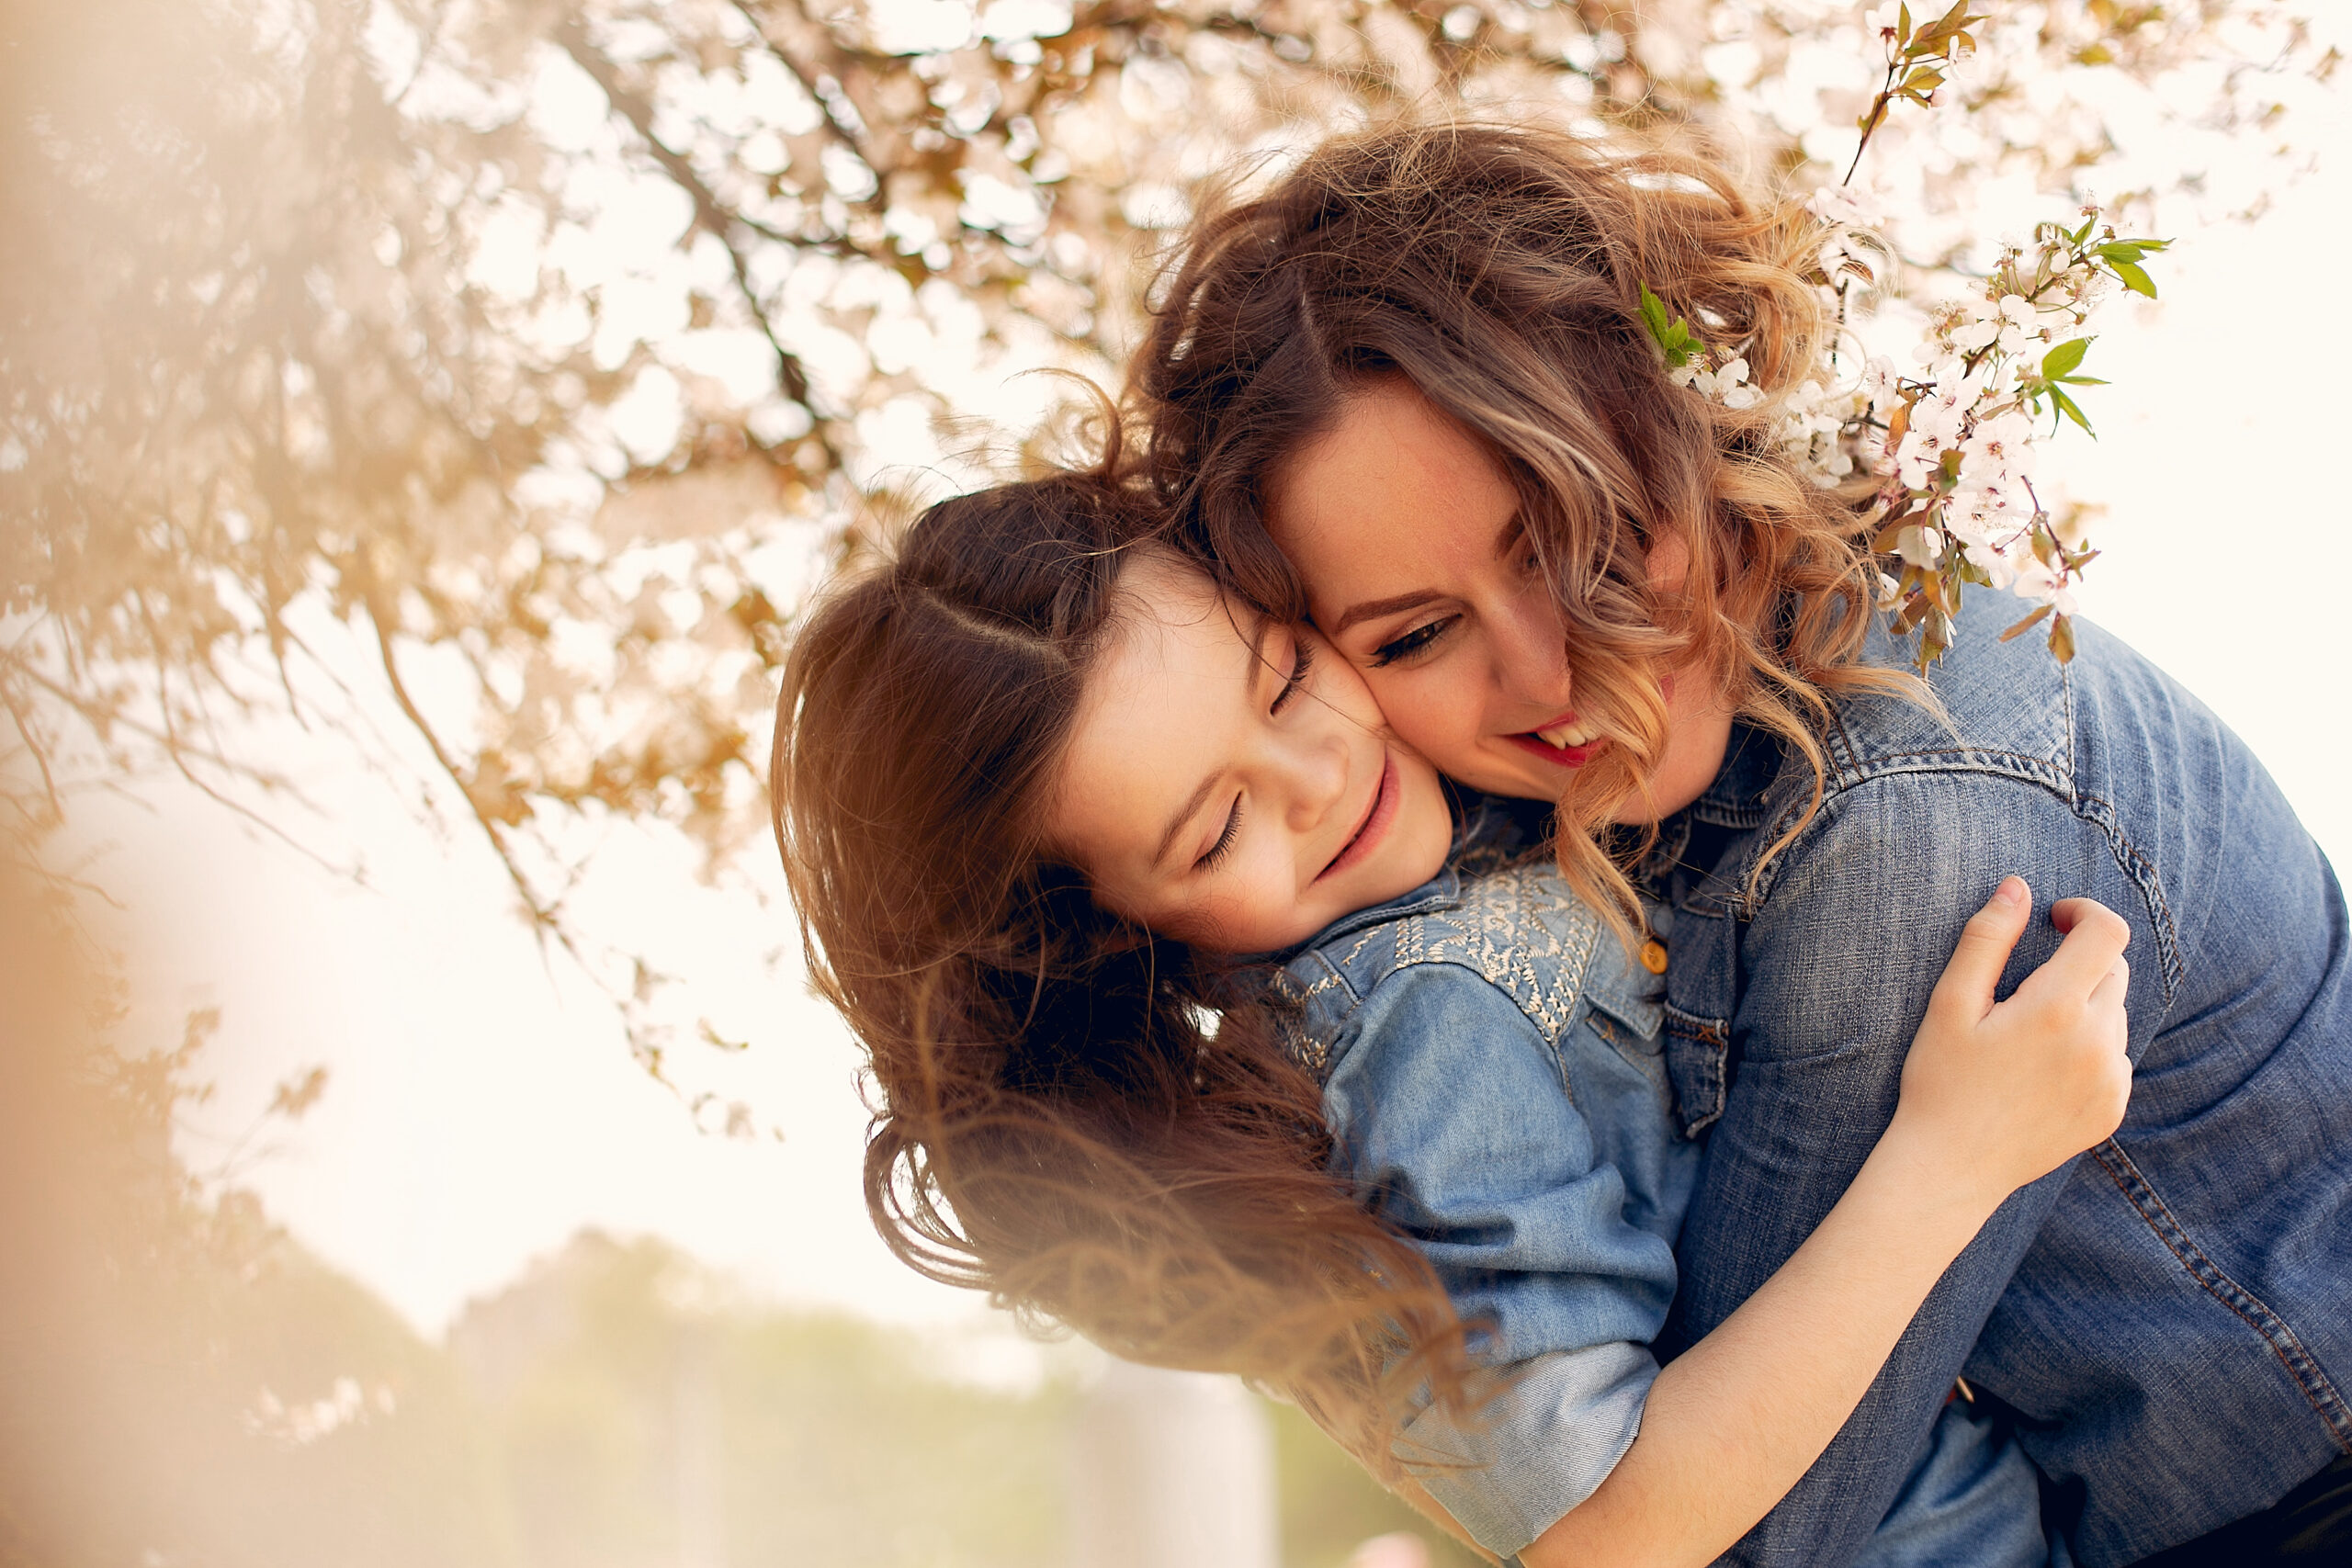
(1412, 642)
(1299, 666)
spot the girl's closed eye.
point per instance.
(1224, 845)
(1297, 678)
(1302, 661)
(1419, 640)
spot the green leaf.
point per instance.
(2076, 238)
(1926, 79)
(1674, 339)
(1947, 26)
(2064, 358)
(2120, 250)
(2066, 406)
(2135, 279)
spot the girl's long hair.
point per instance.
(1097, 1126)
(1500, 269)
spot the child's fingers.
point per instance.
(1986, 943)
(2095, 938)
(2113, 988)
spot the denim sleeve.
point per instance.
(1454, 1116)
(1837, 967)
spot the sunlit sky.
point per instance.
(482, 1106)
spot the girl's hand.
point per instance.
(2000, 1093)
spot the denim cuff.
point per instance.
(1538, 1448)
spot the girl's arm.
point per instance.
(1994, 1095)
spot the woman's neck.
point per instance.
(1698, 733)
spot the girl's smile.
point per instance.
(1377, 818)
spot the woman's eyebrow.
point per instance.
(1374, 607)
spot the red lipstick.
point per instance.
(1558, 756)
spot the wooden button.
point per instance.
(1654, 956)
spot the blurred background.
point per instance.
(419, 419)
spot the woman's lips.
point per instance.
(1559, 756)
(1375, 826)
(1564, 756)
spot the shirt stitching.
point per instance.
(2309, 1377)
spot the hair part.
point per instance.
(1500, 270)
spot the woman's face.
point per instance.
(1230, 782)
(1419, 570)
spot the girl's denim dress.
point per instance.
(1493, 1074)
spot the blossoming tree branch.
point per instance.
(475, 386)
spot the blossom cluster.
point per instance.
(1955, 434)
(1951, 437)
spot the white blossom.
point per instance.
(2020, 325)
(2041, 584)
(1729, 386)
(1849, 207)
(1880, 382)
(2001, 445)
(1923, 548)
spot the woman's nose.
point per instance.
(1530, 650)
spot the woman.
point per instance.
(1407, 392)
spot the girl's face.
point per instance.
(1230, 783)
(1418, 568)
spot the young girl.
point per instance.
(1405, 391)
(1039, 784)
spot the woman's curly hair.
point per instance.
(1501, 270)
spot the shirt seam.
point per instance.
(2094, 811)
(2310, 1378)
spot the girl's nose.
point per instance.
(1318, 770)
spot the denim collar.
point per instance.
(1443, 891)
(1485, 830)
(1736, 798)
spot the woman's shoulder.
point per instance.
(2011, 708)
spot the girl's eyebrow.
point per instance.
(1184, 814)
(1251, 663)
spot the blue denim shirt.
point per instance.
(2170, 1316)
(1494, 1075)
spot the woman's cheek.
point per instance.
(1425, 713)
